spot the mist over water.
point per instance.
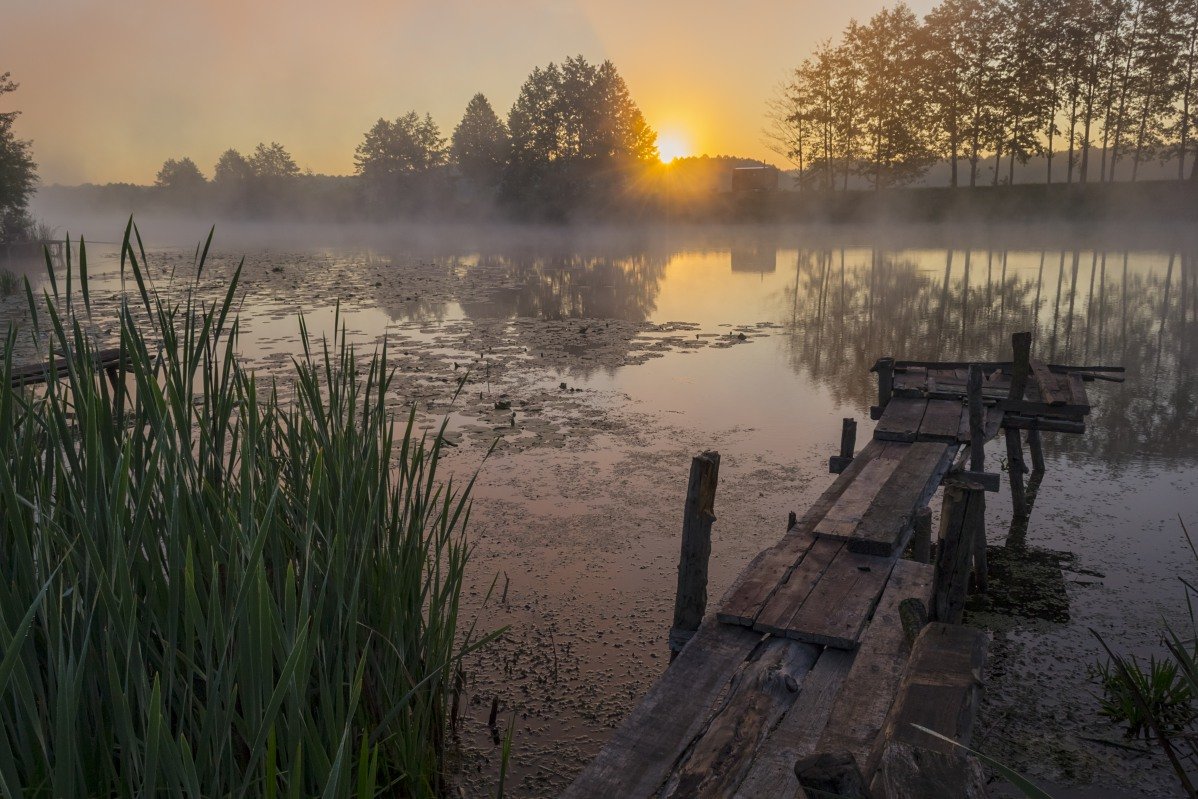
(755, 341)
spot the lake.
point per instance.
(602, 360)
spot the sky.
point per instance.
(110, 89)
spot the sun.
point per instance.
(672, 144)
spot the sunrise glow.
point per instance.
(672, 144)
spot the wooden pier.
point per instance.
(832, 650)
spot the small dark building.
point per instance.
(755, 179)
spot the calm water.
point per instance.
(578, 510)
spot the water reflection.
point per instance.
(571, 286)
(1130, 309)
(839, 308)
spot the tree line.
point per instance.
(1104, 86)
(574, 137)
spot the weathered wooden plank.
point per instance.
(1066, 410)
(643, 749)
(1077, 392)
(1014, 421)
(837, 608)
(1047, 383)
(900, 421)
(774, 565)
(884, 524)
(939, 690)
(796, 736)
(34, 373)
(869, 689)
(940, 421)
(842, 519)
(776, 616)
(760, 694)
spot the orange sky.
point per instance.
(111, 89)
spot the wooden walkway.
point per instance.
(821, 658)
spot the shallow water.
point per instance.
(754, 343)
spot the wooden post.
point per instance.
(961, 525)
(1021, 343)
(977, 420)
(848, 445)
(885, 380)
(848, 438)
(1037, 449)
(977, 535)
(690, 602)
(921, 543)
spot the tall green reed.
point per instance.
(209, 590)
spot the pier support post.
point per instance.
(961, 526)
(1037, 449)
(690, 602)
(885, 369)
(848, 445)
(1021, 343)
(977, 420)
(921, 543)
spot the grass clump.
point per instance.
(206, 590)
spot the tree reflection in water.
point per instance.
(1135, 309)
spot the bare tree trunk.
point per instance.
(1131, 46)
(1072, 137)
(1185, 100)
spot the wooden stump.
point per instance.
(690, 602)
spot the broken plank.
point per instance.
(900, 421)
(797, 734)
(760, 694)
(1047, 382)
(838, 606)
(882, 528)
(869, 689)
(776, 616)
(940, 421)
(842, 519)
(643, 749)
(744, 602)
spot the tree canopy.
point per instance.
(576, 133)
(272, 161)
(180, 175)
(407, 146)
(18, 173)
(481, 144)
(232, 169)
